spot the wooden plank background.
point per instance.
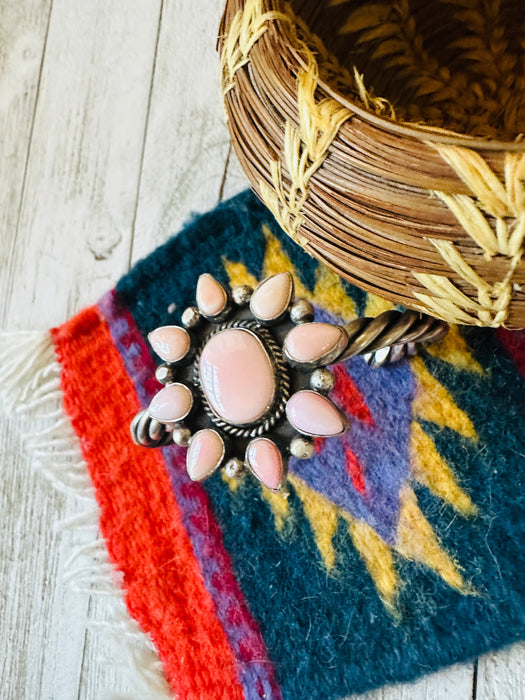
(111, 135)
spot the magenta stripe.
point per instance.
(255, 671)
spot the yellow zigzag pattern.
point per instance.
(328, 292)
(416, 541)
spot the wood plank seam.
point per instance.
(12, 247)
(145, 135)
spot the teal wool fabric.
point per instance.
(399, 549)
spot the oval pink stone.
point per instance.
(237, 376)
(171, 343)
(265, 460)
(204, 454)
(313, 342)
(272, 296)
(210, 295)
(171, 404)
(313, 414)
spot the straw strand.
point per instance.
(323, 123)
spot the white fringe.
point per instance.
(30, 386)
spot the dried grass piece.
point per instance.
(386, 138)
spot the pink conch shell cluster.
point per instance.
(241, 379)
(272, 297)
(172, 404)
(205, 454)
(211, 296)
(265, 460)
(313, 414)
(315, 342)
(171, 343)
(236, 376)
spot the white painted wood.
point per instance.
(30, 563)
(501, 676)
(84, 162)
(69, 244)
(104, 153)
(235, 180)
(454, 683)
(30, 557)
(23, 31)
(187, 141)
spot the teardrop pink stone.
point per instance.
(311, 342)
(204, 454)
(266, 462)
(171, 404)
(272, 296)
(313, 414)
(236, 375)
(171, 343)
(211, 296)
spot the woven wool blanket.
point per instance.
(399, 547)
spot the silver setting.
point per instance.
(147, 432)
(388, 338)
(282, 392)
(391, 328)
(302, 311)
(280, 317)
(326, 359)
(344, 419)
(218, 462)
(159, 352)
(221, 316)
(191, 317)
(156, 429)
(250, 466)
(181, 436)
(302, 447)
(235, 469)
(241, 294)
(390, 355)
(165, 374)
(181, 417)
(322, 380)
(226, 309)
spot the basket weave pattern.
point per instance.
(383, 189)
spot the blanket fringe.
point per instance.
(30, 387)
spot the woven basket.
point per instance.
(385, 138)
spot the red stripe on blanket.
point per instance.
(514, 344)
(144, 535)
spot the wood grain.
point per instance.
(502, 676)
(112, 134)
(187, 141)
(454, 683)
(23, 33)
(68, 243)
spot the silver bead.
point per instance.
(322, 380)
(302, 311)
(164, 374)
(302, 448)
(191, 317)
(235, 468)
(181, 436)
(241, 294)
